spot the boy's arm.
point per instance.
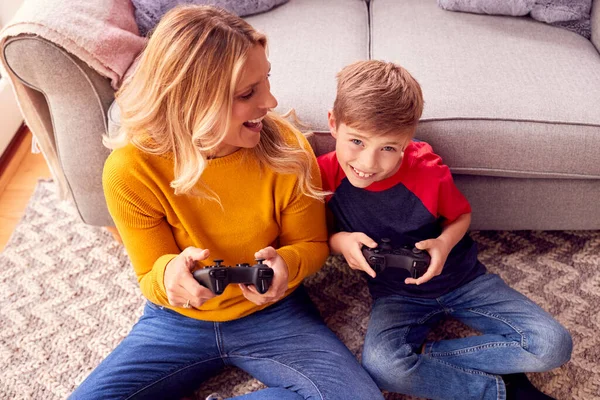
(440, 247)
(453, 232)
(349, 244)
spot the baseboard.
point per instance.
(16, 150)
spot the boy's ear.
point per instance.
(331, 121)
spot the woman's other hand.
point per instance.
(280, 278)
(181, 287)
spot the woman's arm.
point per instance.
(138, 217)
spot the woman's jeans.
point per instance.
(286, 346)
(517, 336)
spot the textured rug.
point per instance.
(68, 296)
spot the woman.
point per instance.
(202, 171)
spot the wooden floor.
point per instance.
(17, 182)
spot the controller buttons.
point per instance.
(416, 251)
(218, 273)
(265, 273)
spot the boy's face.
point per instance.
(366, 157)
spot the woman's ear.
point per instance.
(332, 126)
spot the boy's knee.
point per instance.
(388, 368)
(555, 346)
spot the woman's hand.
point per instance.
(350, 244)
(182, 289)
(280, 278)
(438, 249)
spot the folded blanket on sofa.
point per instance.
(149, 12)
(573, 15)
(102, 33)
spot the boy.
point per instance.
(385, 185)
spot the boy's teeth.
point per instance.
(361, 174)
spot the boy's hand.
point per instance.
(438, 249)
(279, 284)
(350, 245)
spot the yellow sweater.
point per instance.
(259, 209)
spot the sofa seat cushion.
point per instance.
(309, 42)
(504, 96)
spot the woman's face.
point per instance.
(251, 102)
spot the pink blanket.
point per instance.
(102, 33)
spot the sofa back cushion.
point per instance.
(504, 96)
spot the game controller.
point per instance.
(217, 277)
(385, 256)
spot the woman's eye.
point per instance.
(248, 95)
(388, 148)
(356, 142)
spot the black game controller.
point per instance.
(384, 256)
(217, 277)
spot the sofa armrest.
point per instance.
(595, 20)
(73, 102)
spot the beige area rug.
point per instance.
(68, 296)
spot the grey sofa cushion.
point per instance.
(504, 96)
(306, 51)
(309, 42)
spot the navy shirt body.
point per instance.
(406, 208)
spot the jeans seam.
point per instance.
(523, 343)
(219, 340)
(500, 388)
(283, 365)
(472, 349)
(470, 371)
(168, 375)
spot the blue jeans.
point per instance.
(517, 336)
(286, 346)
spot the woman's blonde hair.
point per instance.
(179, 98)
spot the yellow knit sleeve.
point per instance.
(140, 221)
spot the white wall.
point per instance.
(10, 117)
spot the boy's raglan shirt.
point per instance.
(407, 207)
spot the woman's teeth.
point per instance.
(255, 121)
(254, 124)
(360, 173)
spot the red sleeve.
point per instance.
(430, 179)
(331, 173)
(451, 202)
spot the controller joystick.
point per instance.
(385, 256)
(217, 277)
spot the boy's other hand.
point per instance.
(438, 249)
(350, 244)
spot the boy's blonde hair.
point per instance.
(179, 98)
(377, 97)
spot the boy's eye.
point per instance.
(388, 148)
(356, 142)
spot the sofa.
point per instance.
(511, 104)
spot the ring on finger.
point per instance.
(187, 304)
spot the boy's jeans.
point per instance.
(517, 336)
(286, 346)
